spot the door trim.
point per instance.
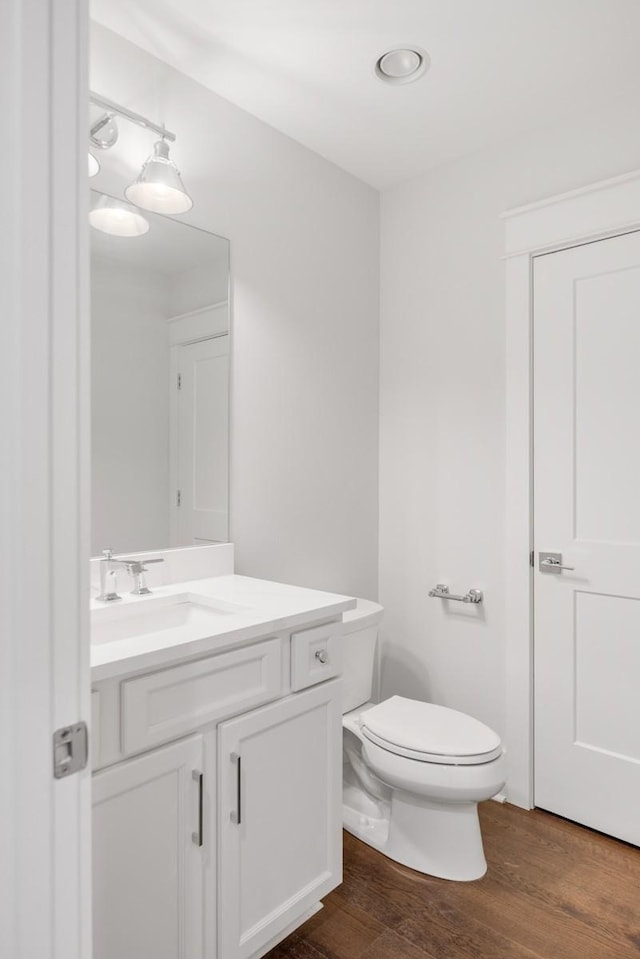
(45, 825)
(594, 212)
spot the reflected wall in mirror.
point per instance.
(159, 387)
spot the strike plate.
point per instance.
(70, 750)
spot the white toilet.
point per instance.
(414, 772)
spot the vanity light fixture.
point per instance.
(158, 186)
(94, 166)
(402, 65)
(117, 218)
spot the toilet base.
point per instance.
(438, 839)
(441, 839)
(369, 829)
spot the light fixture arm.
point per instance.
(137, 118)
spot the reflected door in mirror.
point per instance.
(199, 442)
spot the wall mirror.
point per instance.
(160, 331)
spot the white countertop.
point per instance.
(234, 610)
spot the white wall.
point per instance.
(201, 286)
(442, 459)
(304, 266)
(129, 407)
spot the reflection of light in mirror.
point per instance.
(117, 218)
(94, 166)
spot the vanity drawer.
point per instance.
(173, 702)
(316, 655)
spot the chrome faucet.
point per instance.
(108, 575)
(108, 580)
(137, 568)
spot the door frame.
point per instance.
(45, 825)
(593, 212)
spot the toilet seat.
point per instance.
(429, 733)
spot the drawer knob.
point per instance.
(321, 655)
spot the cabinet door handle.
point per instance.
(198, 836)
(236, 815)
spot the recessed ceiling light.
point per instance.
(403, 65)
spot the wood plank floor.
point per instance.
(553, 891)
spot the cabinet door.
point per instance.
(147, 856)
(280, 780)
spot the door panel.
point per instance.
(587, 507)
(607, 361)
(280, 769)
(607, 635)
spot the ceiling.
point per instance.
(500, 68)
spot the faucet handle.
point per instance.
(139, 565)
(138, 568)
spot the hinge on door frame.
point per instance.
(178, 498)
(532, 558)
(70, 750)
(179, 381)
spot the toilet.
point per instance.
(414, 772)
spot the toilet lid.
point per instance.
(430, 733)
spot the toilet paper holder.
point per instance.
(441, 591)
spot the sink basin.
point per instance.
(182, 612)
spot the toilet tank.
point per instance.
(359, 640)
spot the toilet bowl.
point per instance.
(414, 772)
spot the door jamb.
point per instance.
(45, 824)
(594, 212)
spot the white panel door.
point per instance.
(147, 857)
(587, 507)
(203, 442)
(280, 810)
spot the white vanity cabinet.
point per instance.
(217, 799)
(147, 857)
(280, 816)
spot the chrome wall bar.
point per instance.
(441, 591)
(137, 118)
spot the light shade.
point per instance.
(94, 166)
(117, 218)
(158, 187)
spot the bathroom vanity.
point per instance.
(217, 752)
(216, 739)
